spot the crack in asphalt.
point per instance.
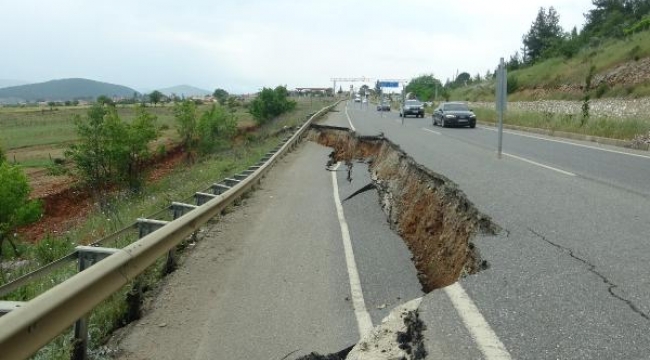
(368, 187)
(592, 269)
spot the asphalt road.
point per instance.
(569, 278)
(271, 280)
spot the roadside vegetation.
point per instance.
(607, 127)
(608, 59)
(222, 143)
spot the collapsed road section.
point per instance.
(431, 214)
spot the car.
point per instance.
(357, 99)
(365, 101)
(453, 114)
(412, 107)
(384, 105)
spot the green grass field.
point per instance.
(31, 136)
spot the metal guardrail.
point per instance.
(26, 329)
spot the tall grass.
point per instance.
(122, 210)
(613, 128)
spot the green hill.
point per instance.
(63, 90)
(621, 68)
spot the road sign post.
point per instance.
(501, 101)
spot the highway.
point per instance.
(298, 268)
(569, 277)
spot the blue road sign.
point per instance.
(389, 84)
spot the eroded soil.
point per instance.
(66, 204)
(429, 212)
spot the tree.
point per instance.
(216, 128)
(463, 79)
(89, 154)
(363, 90)
(104, 100)
(515, 62)
(131, 146)
(186, 119)
(221, 95)
(545, 35)
(270, 103)
(424, 87)
(15, 208)
(110, 150)
(155, 97)
(611, 17)
(378, 91)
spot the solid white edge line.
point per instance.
(432, 131)
(364, 322)
(568, 143)
(538, 164)
(487, 341)
(349, 120)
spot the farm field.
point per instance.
(34, 137)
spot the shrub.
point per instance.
(215, 127)
(270, 103)
(513, 84)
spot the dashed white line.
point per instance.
(349, 120)
(569, 143)
(432, 131)
(487, 341)
(540, 165)
(364, 322)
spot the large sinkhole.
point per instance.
(430, 213)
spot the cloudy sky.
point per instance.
(243, 45)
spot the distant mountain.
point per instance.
(185, 90)
(11, 82)
(62, 90)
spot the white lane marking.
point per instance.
(349, 120)
(432, 131)
(569, 143)
(364, 322)
(538, 164)
(487, 341)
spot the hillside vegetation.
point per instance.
(621, 68)
(608, 57)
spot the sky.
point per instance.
(244, 45)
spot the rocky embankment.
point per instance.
(611, 108)
(614, 108)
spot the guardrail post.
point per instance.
(88, 256)
(178, 210)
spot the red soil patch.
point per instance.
(66, 204)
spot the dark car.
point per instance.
(412, 107)
(453, 114)
(384, 105)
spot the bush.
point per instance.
(15, 208)
(270, 103)
(110, 150)
(215, 128)
(513, 84)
